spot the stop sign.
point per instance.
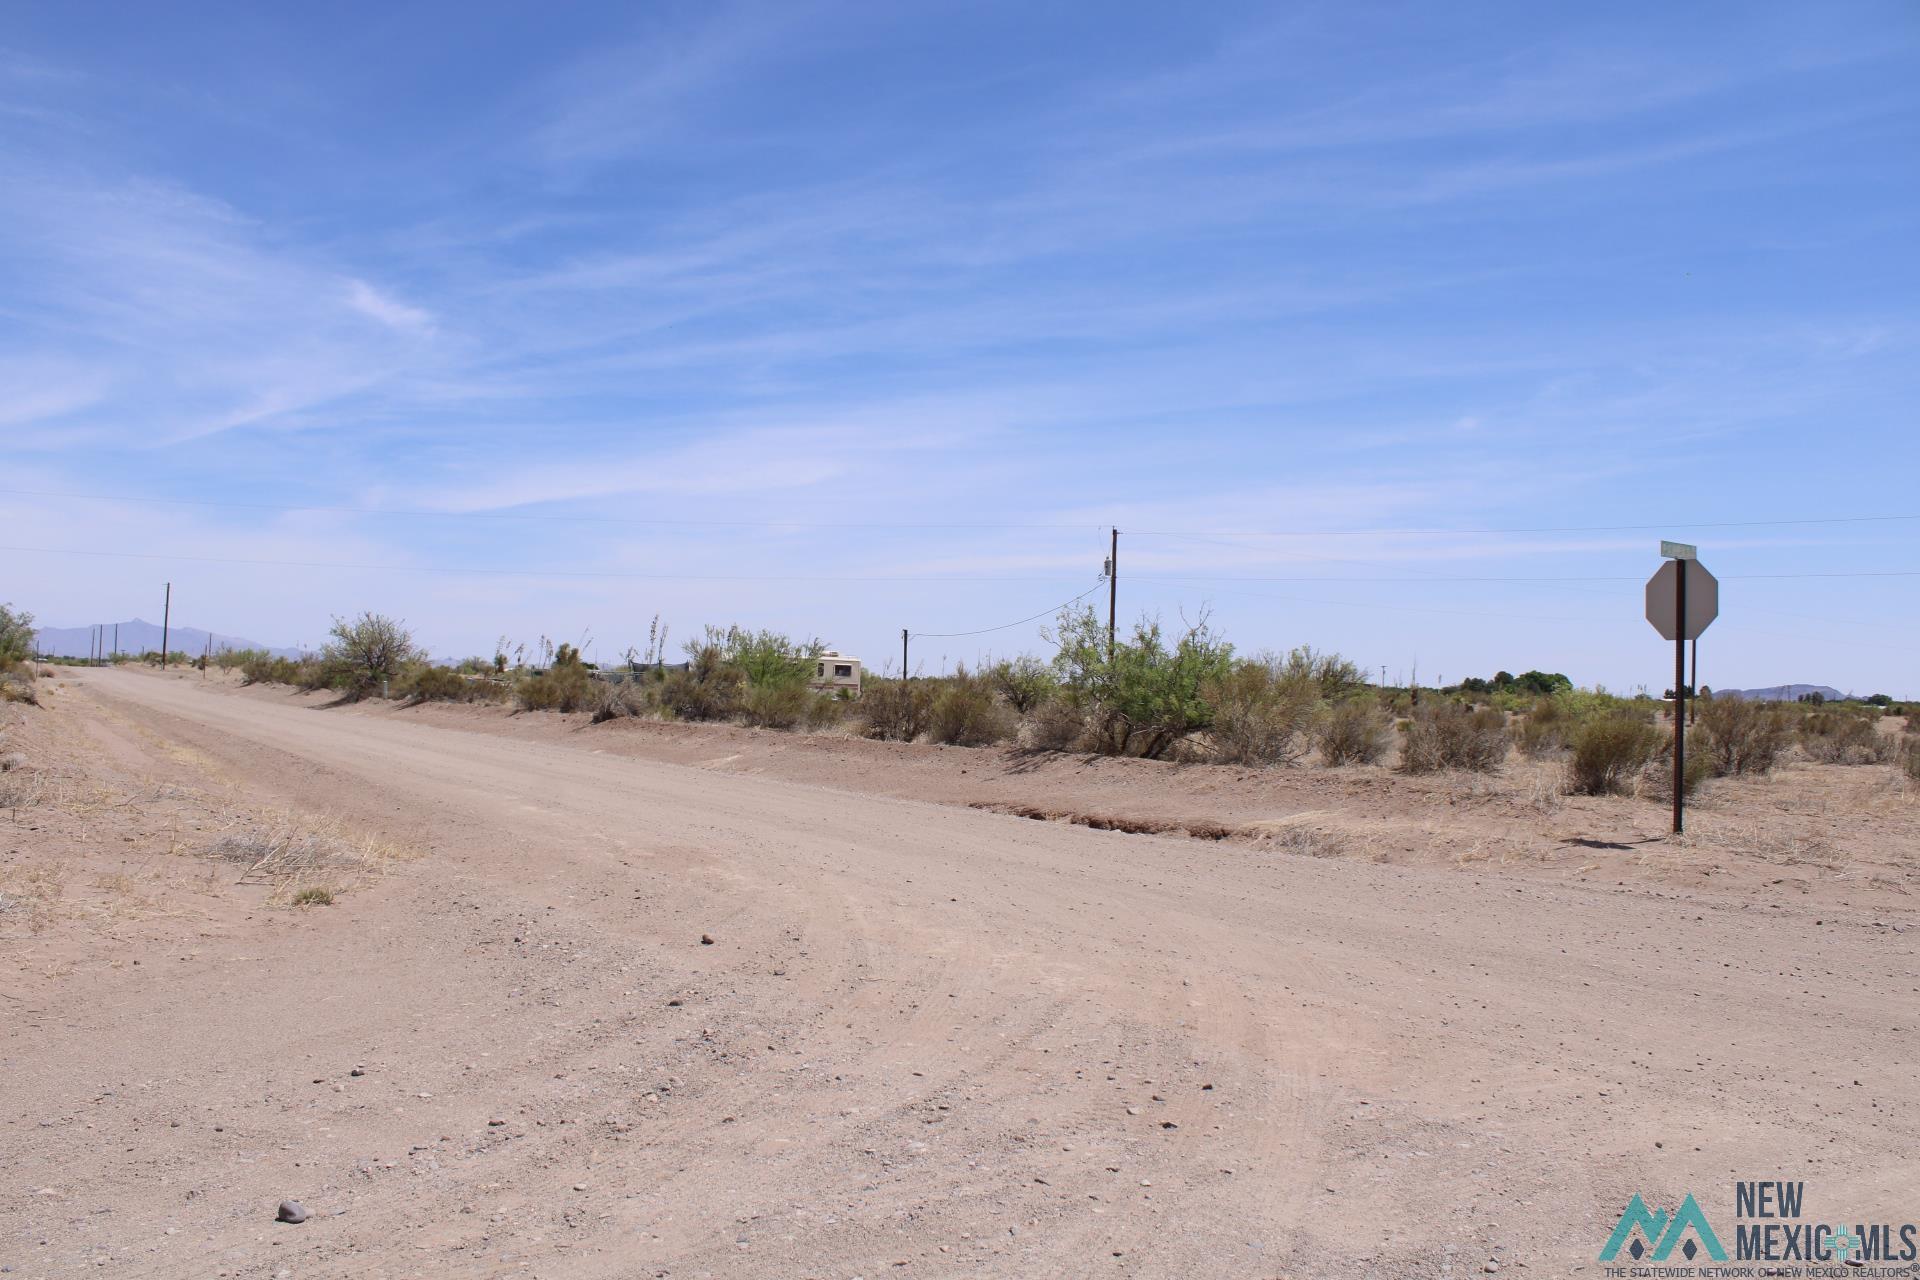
(1703, 600)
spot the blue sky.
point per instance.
(844, 318)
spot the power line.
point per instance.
(949, 635)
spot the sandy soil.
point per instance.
(926, 1038)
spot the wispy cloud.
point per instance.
(170, 289)
(652, 87)
(391, 312)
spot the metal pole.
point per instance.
(1680, 697)
(903, 653)
(1693, 685)
(166, 620)
(116, 639)
(1113, 591)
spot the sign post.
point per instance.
(1683, 599)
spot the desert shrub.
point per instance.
(1656, 780)
(1609, 753)
(259, 668)
(364, 653)
(1333, 676)
(312, 674)
(1910, 757)
(1844, 737)
(17, 685)
(1055, 725)
(965, 713)
(1352, 731)
(614, 700)
(313, 896)
(237, 659)
(1546, 728)
(824, 710)
(431, 684)
(707, 688)
(895, 710)
(1024, 682)
(1449, 735)
(425, 683)
(1141, 696)
(775, 706)
(1741, 737)
(565, 686)
(1263, 710)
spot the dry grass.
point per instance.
(1305, 834)
(294, 853)
(22, 787)
(18, 686)
(31, 892)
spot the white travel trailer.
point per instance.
(837, 673)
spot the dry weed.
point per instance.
(1303, 838)
(294, 853)
(32, 891)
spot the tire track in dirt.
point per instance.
(1404, 1061)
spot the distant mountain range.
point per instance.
(1782, 693)
(139, 636)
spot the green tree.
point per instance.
(16, 636)
(767, 659)
(366, 651)
(1143, 697)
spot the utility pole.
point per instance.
(1113, 591)
(166, 621)
(903, 654)
(116, 639)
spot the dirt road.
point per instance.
(924, 1041)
